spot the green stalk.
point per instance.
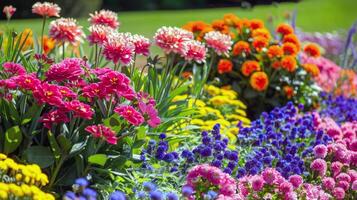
(42, 31)
(96, 56)
(63, 51)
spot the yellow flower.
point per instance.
(233, 130)
(198, 103)
(3, 194)
(2, 156)
(244, 120)
(229, 93)
(4, 187)
(241, 112)
(219, 100)
(26, 189)
(16, 190)
(197, 122)
(180, 98)
(238, 103)
(212, 90)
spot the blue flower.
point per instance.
(171, 196)
(156, 195)
(149, 186)
(82, 182)
(162, 136)
(187, 191)
(117, 195)
(70, 195)
(90, 193)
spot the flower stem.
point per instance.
(43, 29)
(63, 51)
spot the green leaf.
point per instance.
(64, 143)
(54, 146)
(29, 115)
(39, 155)
(113, 122)
(78, 147)
(99, 159)
(13, 138)
(138, 144)
(141, 133)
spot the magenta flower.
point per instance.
(319, 166)
(339, 193)
(66, 30)
(343, 177)
(328, 183)
(119, 48)
(54, 117)
(14, 69)
(105, 18)
(98, 34)
(257, 183)
(114, 81)
(172, 39)
(130, 114)
(79, 109)
(296, 180)
(196, 51)
(320, 151)
(69, 69)
(142, 44)
(46, 9)
(48, 93)
(27, 81)
(66, 92)
(270, 175)
(94, 90)
(9, 11)
(101, 131)
(285, 187)
(354, 185)
(219, 42)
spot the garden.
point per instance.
(233, 108)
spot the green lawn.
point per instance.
(312, 15)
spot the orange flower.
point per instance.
(243, 23)
(288, 63)
(290, 49)
(289, 91)
(259, 43)
(259, 81)
(275, 51)
(220, 26)
(312, 50)
(203, 32)
(249, 67)
(284, 29)
(26, 39)
(48, 44)
(256, 24)
(311, 69)
(276, 64)
(240, 47)
(186, 75)
(230, 19)
(195, 26)
(261, 32)
(293, 39)
(224, 66)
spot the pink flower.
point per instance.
(344, 185)
(320, 166)
(66, 92)
(54, 117)
(14, 68)
(119, 48)
(100, 130)
(285, 187)
(130, 114)
(69, 69)
(320, 151)
(336, 168)
(219, 42)
(196, 51)
(114, 81)
(48, 93)
(257, 182)
(147, 108)
(9, 11)
(328, 183)
(269, 175)
(142, 44)
(295, 180)
(353, 174)
(343, 177)
(46, 9)
(98, 34)
(104, 17)
(80, 109)
(27, 81)
(66, 30)
(171, 39)
(354, 186)
(338, 193)
(94, 90)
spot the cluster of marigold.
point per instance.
(257, 50)
(19, 181)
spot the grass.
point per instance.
(312, 15)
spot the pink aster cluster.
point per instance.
(105, 18)
(98, 34)
(69, 69)
(119, 48)
(270, 183)
(219, 42)
(66, 30)
(204, 176)
(9, 11)
(14, 68)
(101, 131)
(46, 9)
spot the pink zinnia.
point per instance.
(196, 51)
(100, 130)
(9, 11)
(80, 109)
(104, 17)
(94, 90)
(69, 69)
(320, 166)
(328, 183)
(119, 48)
(54, 117)
(14, 68)
(336, 167)
(295, 180)
(114, 81)
(343, 177)
(27, 81)
(142, 44)
(257, 182)
(219, 42)
(147, 108)
(338, 193)
(66, 30)
(354, 186)
(66, 92)
(285, 187)
(320, 151)
(46, 9)
(269, 175)
(48, 93)
(171, 39)
(98, 34)
(130, 114)
(343, 184)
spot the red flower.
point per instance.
(219, 42)
(142, 44)
(224, 66)
(284, 29)
(171, 39)
(69, 69)
(48, 93)
(54, 117)
(196, 51)
(100, 130)
(130, 114)
(80, 109)
(98, 34)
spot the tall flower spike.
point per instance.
(46, 9)
(104, 17)
(66, 30)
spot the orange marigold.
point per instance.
(48, 44)
(186, 74)
(243, 23)
(260, 42)
(276, 64)
(284, 29)
(249, 67)
(275, 51)
(220, 26)
(230, 19)
(311, 69)
(256, 24)
(261, 32)
(259, 81)
(293, 39)
(288, 63)
(289, 91)
(224, 66)
(312, 50)
(240, 47)
(290, 49)
(195, 26)
(202, 34)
